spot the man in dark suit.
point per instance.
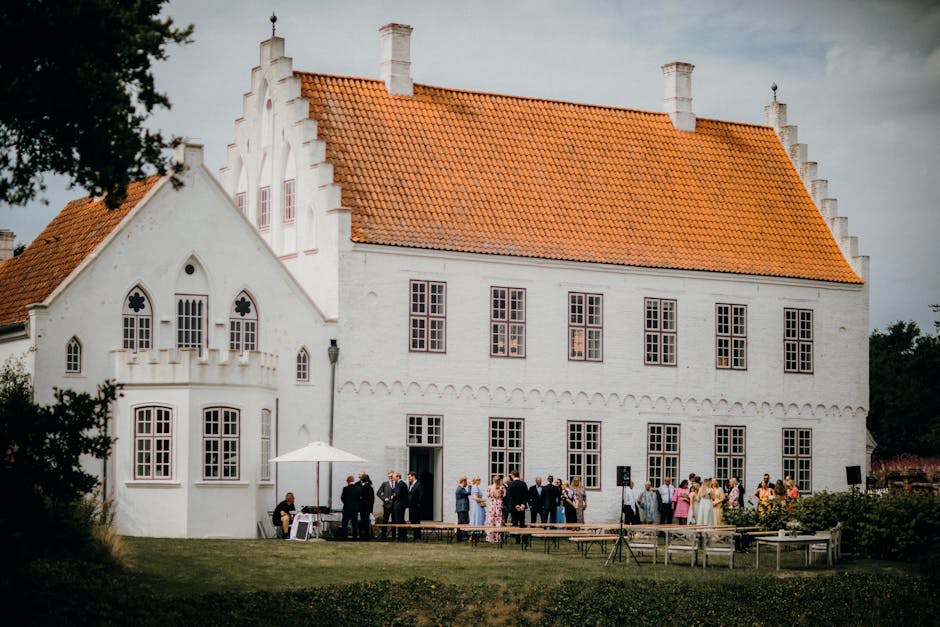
(415, 496)
(551, 497)
(385, 492)
(400, 504)
(366, 504)
(350, 497)
(535, 501)
(518, 495)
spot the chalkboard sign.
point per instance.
(303, 530)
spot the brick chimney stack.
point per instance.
(395, 65)
(7, 244)
(677, 95)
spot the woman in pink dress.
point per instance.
(494, 508)
(681, 501)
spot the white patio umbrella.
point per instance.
(318, 452)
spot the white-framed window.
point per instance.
(73, 356)
(730, 456)
(660, 332)
(662, 452)
(585, 326)
(289, 187)
(507, 321)
(265, 445)
(584, 452)
(303, 366)
(220, 443)
(192, 312)
(138, 321)
(428, 316)
(264, 207)
(507, 443)
(425, 430)
(798, 340)
(798, 457)
(243, 324)
(241, 201)
(153, 442)
(731, 336)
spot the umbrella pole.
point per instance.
(319, 523)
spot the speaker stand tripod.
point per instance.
(617, 549)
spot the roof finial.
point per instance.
(273, 19)
(773, 88)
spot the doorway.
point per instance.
(426, 462)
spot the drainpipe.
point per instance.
(333, 353)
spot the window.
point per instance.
(265, 445)
(153, 442)
(425, 430)
(584, 453)
(303, 366)
(798, 457)
(73, 356)
(731, 336)
(729, 454)
(243, 324)
(241, 201)
(138, 320)
(507, 322)
(428, 316)
(191, 315)
(264, 207)
(798, 340)
(507, 436)
(220, 443)
(662, 452)
(289, 200)
(585, 326)
(660, 331)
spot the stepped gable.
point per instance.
(71, 236)
(475, 172)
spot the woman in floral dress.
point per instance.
(494, 508)
(580, 497)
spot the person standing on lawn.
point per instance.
(386, 491)
(350, 497)
(535, 501)
(366, 505)
(666, 504)
(415, 496)
(400, 498)
(462, 505)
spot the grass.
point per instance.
(199, 566)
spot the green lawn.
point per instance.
(194, 566)
(249, 582)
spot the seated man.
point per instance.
(283, 513)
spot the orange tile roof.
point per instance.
(71, 236)
(484, 173)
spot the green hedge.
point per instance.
(896, 527)
(65, 593)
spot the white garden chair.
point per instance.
(643, 541)
(682, 541)
(718, 543)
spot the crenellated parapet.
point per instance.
(775, 116)
(188, 367)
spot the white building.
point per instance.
(512, 282)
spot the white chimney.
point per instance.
(396, 59)
(7, 244)
(677, 95)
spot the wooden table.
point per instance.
(803, 541)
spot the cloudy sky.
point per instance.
(861, 80)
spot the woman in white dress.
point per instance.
(705, 511)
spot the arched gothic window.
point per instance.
(243, 324)
(303, 366)
(73, 356)
(138, 320)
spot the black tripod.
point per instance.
(619, 544)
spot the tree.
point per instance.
(76, 88)
(41, 448)
(904, 368)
